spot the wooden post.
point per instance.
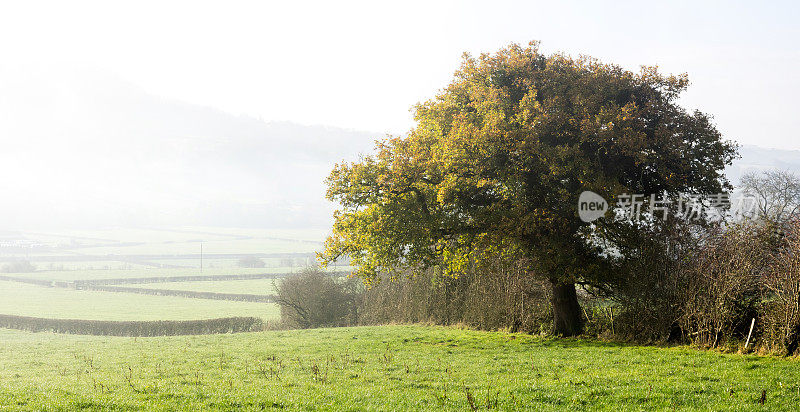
(752, 323)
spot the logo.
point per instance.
(591, 206)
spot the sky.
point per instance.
(363, 65)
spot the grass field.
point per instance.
(135, 253)
(122, 241)
(251, 286)
(380, 368)
(150, 272)
(365, 368)
(255, 245)
(29, 300)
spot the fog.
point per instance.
(86, 149)
(88, 138)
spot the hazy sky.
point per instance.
(362, 65)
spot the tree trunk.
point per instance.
(567, 319)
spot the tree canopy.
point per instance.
(499, 157)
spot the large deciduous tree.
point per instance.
(498, 160)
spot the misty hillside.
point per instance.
(754, 158)
(89, 150)
(82, 150)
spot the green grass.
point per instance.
(29, 300)
(380, 368)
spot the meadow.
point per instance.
(95, 273)
(75, 256)
(359, 368)
(30, 300)
(251, 286)
(381, 368)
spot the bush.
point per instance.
(781, 314)
(645, 298)
(495, 292)
(313, 299)
(724, 292)
(682, 281)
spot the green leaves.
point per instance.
(502, 153)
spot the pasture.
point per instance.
(30, 300)
(381, 368)
(252, 286)
(362, 368)
(70, 259)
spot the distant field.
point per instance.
(381, 368)
(256, 245)
(171, 235)
(149, 272)
(29, 300)
(136, 253)
(253, 286)
(175, 241)
(99, 265)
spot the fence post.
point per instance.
(752, 323)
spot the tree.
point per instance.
(499, 158)
(19, 266)
(777, 194)
(251, 262)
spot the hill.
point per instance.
(85, 150)
(754, 158)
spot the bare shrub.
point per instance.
(647, 296)
(313, 298)
(688, 281)
(781, 314)
(724, 291)
(495, 292)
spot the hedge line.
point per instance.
(133, 328)
(161, 279)
(37, 282)
(242, 297)
(117, 258)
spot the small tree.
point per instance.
(313, 298)
(19, 266)
(782, 294)
(251, 262)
